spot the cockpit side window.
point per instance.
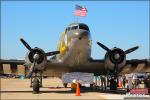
(69, 28)
(84, 27)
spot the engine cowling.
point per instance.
(41, 61)
(116, 56)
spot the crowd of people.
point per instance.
(134, 81)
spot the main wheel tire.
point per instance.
(36, 86)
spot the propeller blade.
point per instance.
(131, 49)
(31, 69)
(52, 53)
(26, 44)
(103, 46)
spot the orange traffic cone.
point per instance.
(78, 90)
(120, 84)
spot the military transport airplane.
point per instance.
(74, 55)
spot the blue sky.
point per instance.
(122, 24)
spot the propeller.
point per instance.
(116, 54)
(36, 56)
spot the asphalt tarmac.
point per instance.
(52, 89)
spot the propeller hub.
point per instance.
(117, 56)
(36, 56)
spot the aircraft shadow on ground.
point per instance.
(66, 91)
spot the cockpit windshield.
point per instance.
(84, 27)
(74, 27)
(79, 26)
(71, 28)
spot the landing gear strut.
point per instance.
(114, 79)
(36, 82)
(116, 73)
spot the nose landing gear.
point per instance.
(36, 82)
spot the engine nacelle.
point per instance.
(116, 56)
(41, 61)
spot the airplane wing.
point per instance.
(131, 66)
(136, 66)
(137, 61)
(55, 69)
(10, 66)
(97, 66)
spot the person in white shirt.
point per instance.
(134, 80)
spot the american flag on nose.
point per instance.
(80, 11)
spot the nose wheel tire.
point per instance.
(36, 86)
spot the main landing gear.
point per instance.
(113, 81)
(36, 82)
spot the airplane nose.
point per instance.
(81, 34)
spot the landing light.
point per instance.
(77, 33)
